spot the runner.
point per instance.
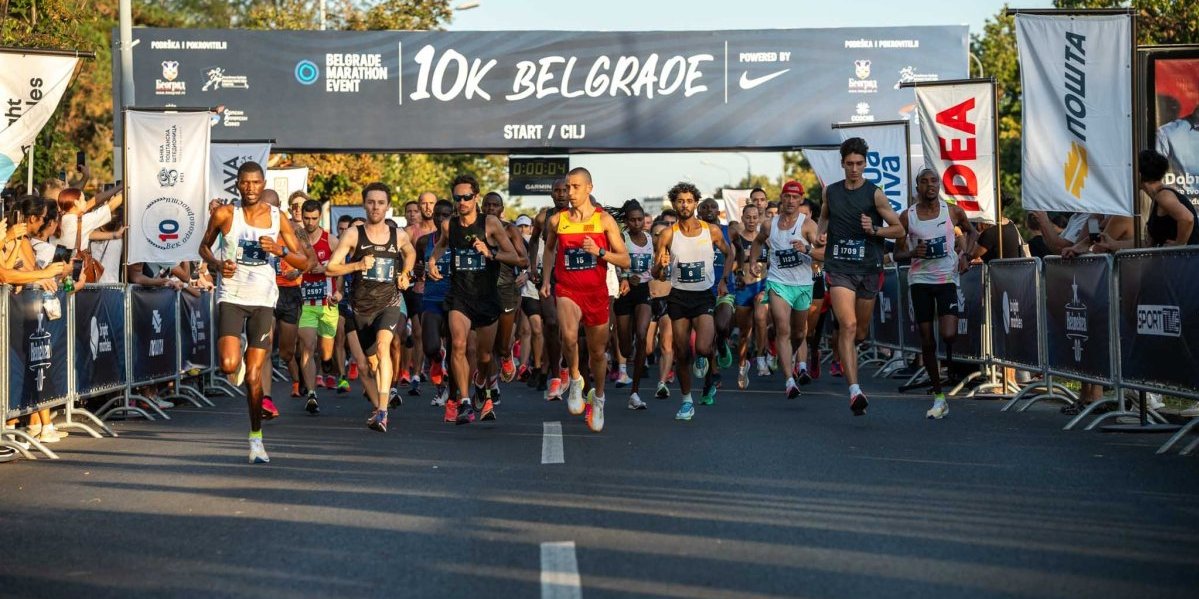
(850, 214)
(420, 224)
(320, 295)
(752, 313)
(288, 308)
(549, 315)
(632, 309)
(659, 326)
(688, 249)
(933, 278)
(375, 249)
(790, 239)
(433, 324)
(493, 205)
(479, 244)
(709, 212)
(532, 342)
(579, 245)
(247, 294)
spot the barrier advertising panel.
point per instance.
(1077, 313)
(196, 337)
(37, 349)
(1015, 333)
(153, 347)
(1159, 317)
(99, 321)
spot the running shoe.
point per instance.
(554, 393)
(858, 404)
(488, 411)
(700, 367)
(613, 374)
(663, 391)
(541, 382)
(404, 378)
(269, 411)
(670, 378)
(451, 411)
(507, 369)
(240, 375)
(378, 421)
(258, 452)
(440, 393)
(353, 371)
(343, 385)
(466, 412)
(814, 363)
(495, 394)
(709, 396)
(686, 411)
(624, 380)
(724, 358)
(295, 390)
(773, 362)
(635, 402)
(312, 407)
(834, 369)
(595, 416)
(763, 367)
(394, 399)
(437, 372)
(523, 374)
(804, 378)
(743, 376)
(330, 382)
(414, 391)
(320, 382)
(792, 389)
(939, 410)
(574, 397)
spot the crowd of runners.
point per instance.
(574, 302)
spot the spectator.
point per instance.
(76, 210)
(106, 244)
(1172, 219)
(988, 241)
(1036, 242)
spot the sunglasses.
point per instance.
(463, 198)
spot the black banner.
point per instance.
(1159, 318)
(971, 315)
(885, 322)
(1077, 310)
(153, 350)
(196, 337)
(1014, 333)
(496, 91)
(37, 352)
(99, 321)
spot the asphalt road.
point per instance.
(757, 497)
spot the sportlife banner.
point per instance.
(31, 86)
(886, 160)
(286, 181)
(196, 338)
(887, 310)
(1077, 78)
(498, 91)
(37, 352)
(957, 128)
(1014, 332)
(153, 347)
(826, 164)
(167, 165)
(1176, 114)
(99, 318)
(224, 160)
(1077, 303)
(1159, 318)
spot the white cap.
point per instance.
(524, 220)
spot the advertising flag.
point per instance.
(826, 164)
(30, 87)
(167, 163)
(226, 158)
(886, 160)
(1077, 131)
(957, 126)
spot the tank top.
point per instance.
(720, 259)
(574, 268)
(315, 288)
(691, 260)
(788, 266)
(850, 250)
(253, 283)
(435, 291)
(1163, 228)
(507, 278)
(940, 262)
(640, 259)
(530, 290)
(474, 276)
(375, 289)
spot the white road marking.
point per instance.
(560, 568)
(551, 444)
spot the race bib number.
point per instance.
(935, 248)
(789, 258)
(313, 290)
(384, 271)
(579, 259)
(718, 261)
(250, 253)
(850, 250)
(691, 272)
(468, 260)
(639, 263)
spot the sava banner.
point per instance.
(30, 87)
(886, 160)
(225, 159)
(166, 186)
(1076, 72)
(957, 127)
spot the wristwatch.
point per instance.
(601, 253)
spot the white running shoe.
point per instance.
(258, 452)
(700, 367)
(763, 367)
(635, 402)
(237, 378)
(743, 376)
(939, 410)
(624, 380)
(595, 416)
(163, 404)
(1153, 401)
(574, 396)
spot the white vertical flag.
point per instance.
(826, 164)
(31, 86)
(1077, 133)
(957, 126)
(166, 155)
(286, 181)
(226, 158)
(886, 160)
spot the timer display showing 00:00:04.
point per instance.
(537, 169)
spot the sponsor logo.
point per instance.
(908, 74)
(156, 322)
(1012, 321)
(217, 79)
(862, 84)
(862, 113)
(885, 309)
(40, 352)
(168, 223)
(168, 151)
(1075, 103)
(346, 72)
(170, 69)
(1076, 322)
(1160, 321)
(167, 86)
(233, 117)
(748, 82)
(307, 72)
(168, 177)
(100, 340)
(195, 321)
(157, 346)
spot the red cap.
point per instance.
(794, 187)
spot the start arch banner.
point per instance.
(499, 91)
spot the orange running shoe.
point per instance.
(488, 412)
(507, 369)
(295, 390)
(353, 371)
(436, 373)
(554, 393)
(451, 411)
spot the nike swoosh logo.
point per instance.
(748, 83)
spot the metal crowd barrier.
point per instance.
(886, 326)
(1014, 288)
(35, 374)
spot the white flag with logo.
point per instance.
(286, 181)
(732, 203)
(226, 158)
(886, 160)
(826, 164)
(957, 126)
(166, 156)
(1077, 132)
(31, 86)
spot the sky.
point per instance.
(622, 176)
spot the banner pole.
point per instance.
(124, 274)
(907, 150)
(995, 162)
(1137, 235)
(29, 177)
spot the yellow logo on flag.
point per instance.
(1076, 169)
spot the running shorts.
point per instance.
(255, 321)
(638, 295)
(682, 304)
(368, 326)
(287, 309)
(321, 318)
(799, 297)
(942, 299)
(595, 304)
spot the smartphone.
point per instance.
(76, 270)
(1093, 230)
(108, 186)
(62, 253)
(62, 175)
(80, 159)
